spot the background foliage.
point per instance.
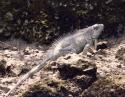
(44, 20)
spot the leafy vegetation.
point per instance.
(44, 20)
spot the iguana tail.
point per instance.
(26, 76)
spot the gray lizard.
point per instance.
(80, 41)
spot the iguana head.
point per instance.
(97, 29)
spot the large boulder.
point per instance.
(69, 78)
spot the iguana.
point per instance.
(80, 41)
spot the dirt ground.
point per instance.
(17, 58)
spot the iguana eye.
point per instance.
(95, 28)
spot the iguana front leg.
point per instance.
(93, 49)
(95, 44)
(89, 48)
(86, 48)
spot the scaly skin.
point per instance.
(80, 41)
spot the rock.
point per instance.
(2, 87)
(102, 45)
(68, 57)
(2, 67)
(84, 81)
(5, 70)
(9, 16)
(47, 88)
(70, 71)
(74, 74)
(119, 66)
(79, 66)
(9, 71)
(24, 70)
(124, 59)
(105, 87)
(15, 48)
(120, 53)
(27, 51)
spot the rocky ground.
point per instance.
(101, 74)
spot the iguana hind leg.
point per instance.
(95, 44)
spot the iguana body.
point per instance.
(76, 43)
